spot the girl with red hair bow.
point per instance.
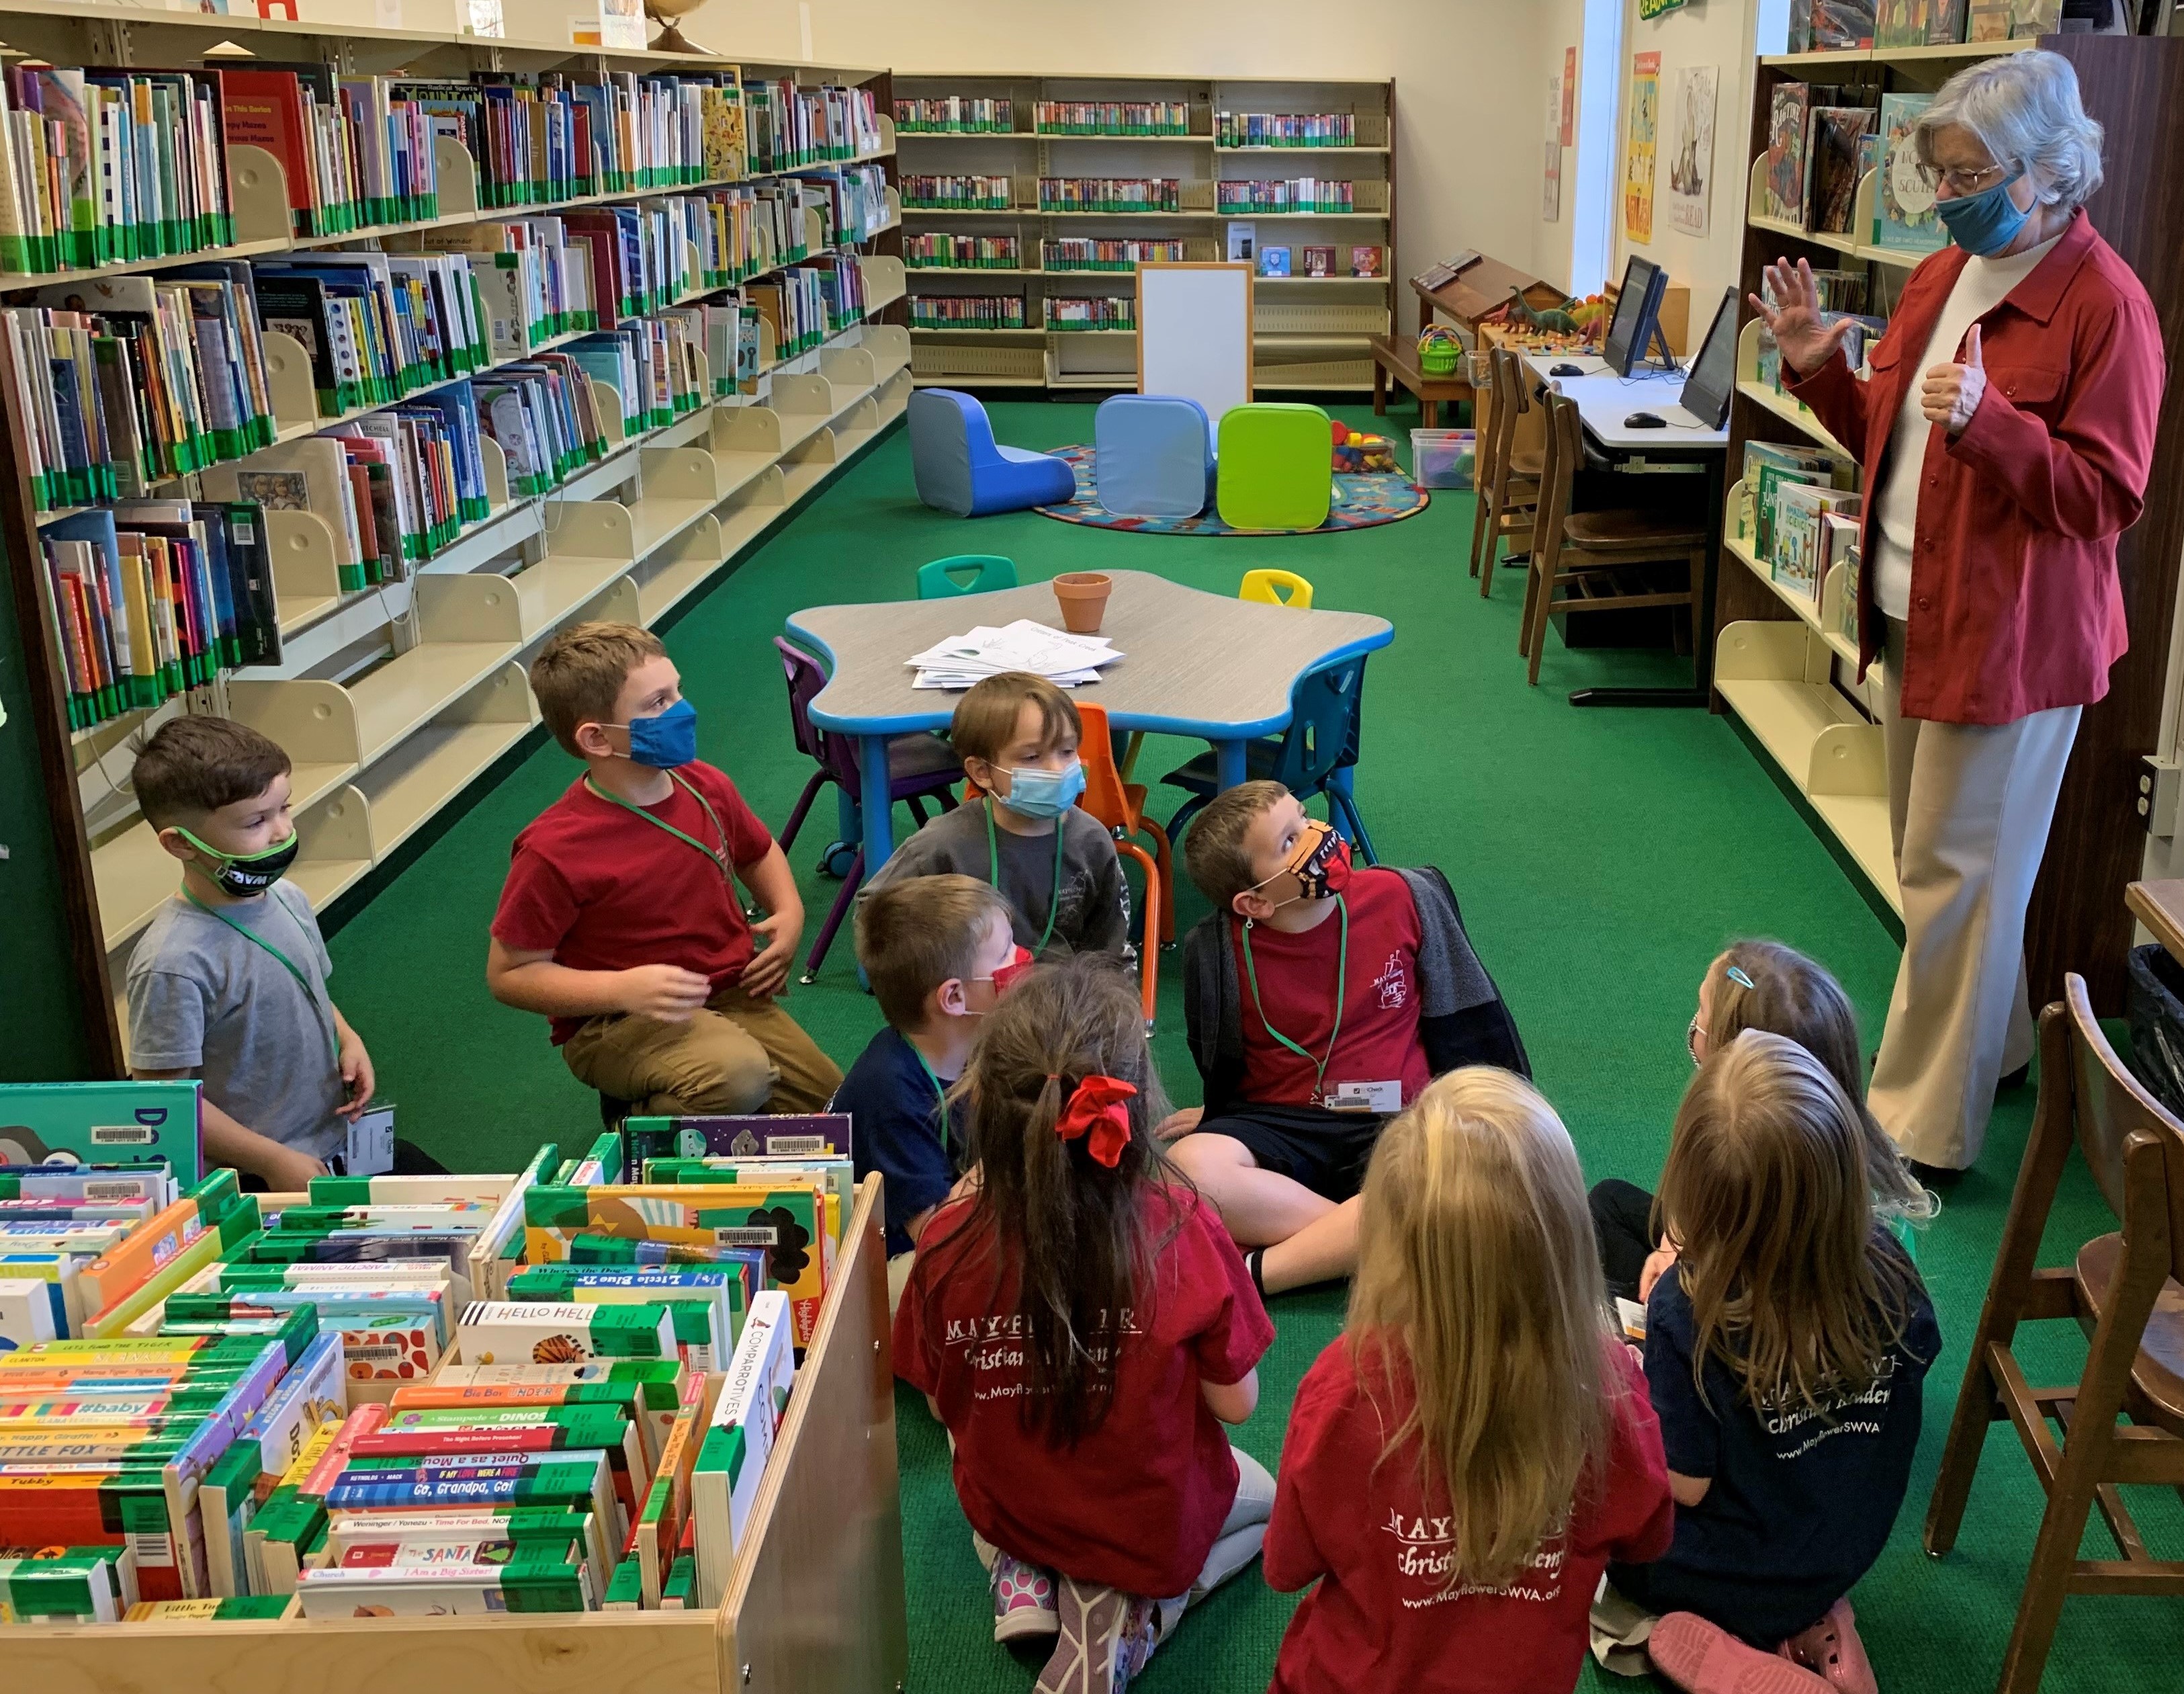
(1081, 1321)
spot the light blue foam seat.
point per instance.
(960, 469)
(1153, 456)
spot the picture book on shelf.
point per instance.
(1274, 261)
(1319, 261)
(1841, 25)
(1836, 133)
(1945, 22)
(1365, 261)
(1988, 20)
(1903, 216)
(1900, 23)
(1243, 242)
(2035, 16)
(1786, 153)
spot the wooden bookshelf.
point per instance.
(1782, 666)
(1311, 334)
(393, 700)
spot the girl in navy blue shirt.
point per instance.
(1787, 1348)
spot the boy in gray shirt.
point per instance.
(1052, 862)
(229, 982)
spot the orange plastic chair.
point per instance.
(1120, 806)
(1276, 588)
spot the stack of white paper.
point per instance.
(1062, 658)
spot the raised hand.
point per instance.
(1807, 342)
(1952, 392)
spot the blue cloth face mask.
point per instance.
(1044, 794)
(665, 741)
(1985, 223)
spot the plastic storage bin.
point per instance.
(1444, 457)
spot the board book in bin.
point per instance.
(823, 1135)
(732, 1456)
(99, 1123)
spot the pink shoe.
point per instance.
(1831, 1649)
(1703, 1658)
(1023, 1600)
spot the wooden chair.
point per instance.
(1507, 478)
(2122, 1290)
(1599, 555)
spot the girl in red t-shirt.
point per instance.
(1466, 1458)
(1082, 1324)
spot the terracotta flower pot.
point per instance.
(1083, 597)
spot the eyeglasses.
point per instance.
(1969, 181)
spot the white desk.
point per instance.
(1604, 400)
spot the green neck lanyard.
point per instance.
(287, 964)
(939, 1092)
(719, 856)
(1341, 986)
(994, 874)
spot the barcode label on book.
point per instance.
(747, 1235)
(127, 1135)
(799, 1146)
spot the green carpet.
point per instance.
(1601, 859)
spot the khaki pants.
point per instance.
(737, 1054)
(1969, 806)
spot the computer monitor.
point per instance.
(1713, 377)
(1637, 325)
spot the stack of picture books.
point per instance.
(954, 114)
(1112, 117)
(1299, 194)
(1110, 194)
(154, 597)
(1092, 253)
(544, 415)
(406, 1395)
(857, 198)
(966, 311)
(939, 252)
(1285, 129)
(801, 306)
(956, 193)
(1091, 312)
(1791, 494)
(788, 127)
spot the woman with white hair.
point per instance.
(2005, 433)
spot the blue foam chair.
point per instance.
(960, 469)
(1153, 456)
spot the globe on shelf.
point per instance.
(664, 13)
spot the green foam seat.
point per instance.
(1274, 467)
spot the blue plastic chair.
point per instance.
(1311, 756)
(1153, 456)
(960, 468)
(988, 571)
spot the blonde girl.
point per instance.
(1467, 1457)
(1786, 1349)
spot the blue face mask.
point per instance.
(1985, 223)
(1044, 794)
(667, 740)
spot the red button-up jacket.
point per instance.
(2014, 602)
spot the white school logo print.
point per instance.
(1425, 1551)
(1394, 983)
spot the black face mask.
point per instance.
(243, 875)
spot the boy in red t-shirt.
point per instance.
(620, 919)
(1320, 1000)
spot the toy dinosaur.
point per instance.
(1555, 320)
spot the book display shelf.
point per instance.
(1786, 661)
(394, 697)
(812, 1598)
(1029, 198)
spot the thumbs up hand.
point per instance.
(1952, 392)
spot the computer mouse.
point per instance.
(1565, 369)
(1643, 420)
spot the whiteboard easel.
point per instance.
(1194, 333)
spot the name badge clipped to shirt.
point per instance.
(370, 1148)
(1385, 1098)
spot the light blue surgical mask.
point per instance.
(665, 741)
(1985, 223)
(1044, 794)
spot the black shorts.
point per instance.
(1326, 1151)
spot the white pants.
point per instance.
(1237, 1544)
(1969, 806)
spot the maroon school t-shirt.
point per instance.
(1137, 1504)
(1384, 1614)
(1296, 976)
(603, 890)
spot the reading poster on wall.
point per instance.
(1550, 183)
(1690, 149)
(1638, 152)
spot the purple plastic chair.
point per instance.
(918, 766)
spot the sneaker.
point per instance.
(1703, 1658)
(1832, 1650)
(1105, 1639)
(1023, 1600)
